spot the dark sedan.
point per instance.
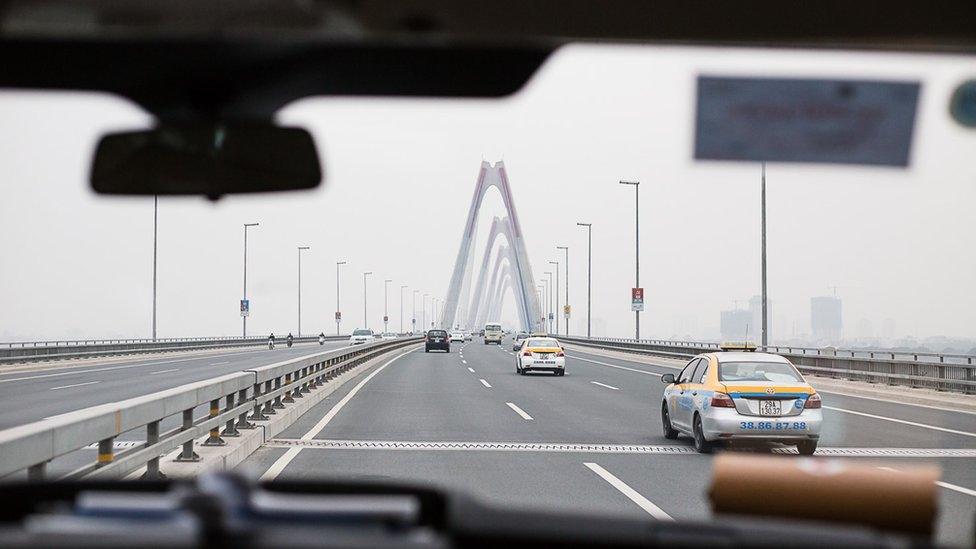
(437, 339)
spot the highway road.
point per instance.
(40, 390)
(589, 442)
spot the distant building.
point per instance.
(737, 325)
(825, 318)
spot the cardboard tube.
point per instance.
(826, 489)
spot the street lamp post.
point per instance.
(556, 263)
(386, 302)
(589, 272)
(338, 313)
(365, 318)
(636, 185)
(300, 250)
(765, 339)
(566, 263)
(155, 225)
(548, 282)
(542, 303)
(413, 314)
(401, 308)
(245, 313)
(423, 313)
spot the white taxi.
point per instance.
(540, 354)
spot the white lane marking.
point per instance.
(889, 401)
(519, 411)
(464, 362)
(73, 385)
(626, 490)
(602, 448)
(218, 363)
(574, 357)
(279, 465)
(945, 485)
(902, 421)
(485, 383)
(605, 385)
(471, 370)
(164, 371)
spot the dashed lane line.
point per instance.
(485, 383)
(164, 371)
(632, 495)
(605, 385)
(519, 411)
(73, 385)
(942, 484)
(471, 370)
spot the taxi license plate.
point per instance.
(769, 408)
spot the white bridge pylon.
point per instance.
(522, 281)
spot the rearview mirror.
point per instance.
(667, 378)
(211, 159)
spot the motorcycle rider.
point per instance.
(290, 338)
(321, 338)
(271, 341)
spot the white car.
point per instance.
(361, 336)
(388, 335)
(540, 354)
(457, 336)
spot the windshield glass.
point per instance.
(775, 372)
(638, 204)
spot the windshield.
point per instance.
(639, 205)
(774, 372)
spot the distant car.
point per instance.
(388, 335)
(741, 396)
(540, 354)
(457, 336)
(519, 337)
(493, 333)
(467, 336)
(437, 339)
(361, 336)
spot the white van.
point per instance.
(493, 333)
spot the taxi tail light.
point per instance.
(813, 402)
(722, 400)
(527, 353)
(560, 353)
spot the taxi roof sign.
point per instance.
(738, 346)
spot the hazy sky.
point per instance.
(897, 243)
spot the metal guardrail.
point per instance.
(249, 397)
(955, 373)
(48, 350)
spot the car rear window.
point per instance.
(438, 333)
(777, 372)
(493, 327)
(362, 332)
(539, 342)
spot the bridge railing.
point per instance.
(23, 351)
(944, 372)
(237, 401)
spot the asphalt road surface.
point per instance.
(587, 442)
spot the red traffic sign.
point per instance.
(637, 299)
(338, 315)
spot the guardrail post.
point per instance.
(152, 466)
(230, 430)
(297, 391)
(106, 451)
(288, 398)
(37, 472)
(256, 415)
(187, 454)
(214, 438)
(242, 422)
(277, 400)
(269, 405)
